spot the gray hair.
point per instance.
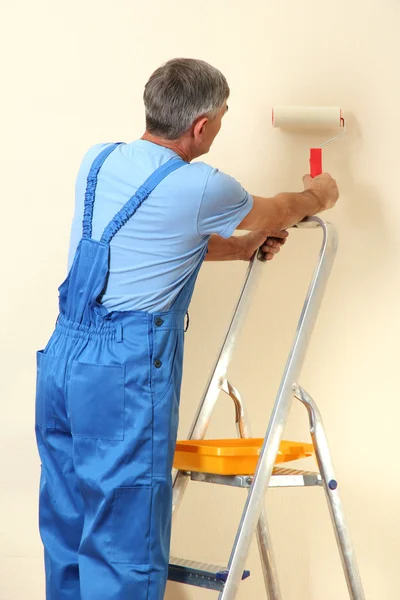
(179, 92)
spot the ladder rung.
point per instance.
(281, 477)
(203, 575)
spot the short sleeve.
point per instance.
(224, 205)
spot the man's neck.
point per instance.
(180, 146)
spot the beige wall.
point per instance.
(72, 75)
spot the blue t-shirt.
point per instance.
(157, 250)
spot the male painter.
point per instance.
(108, 385)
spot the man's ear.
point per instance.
(199, 127)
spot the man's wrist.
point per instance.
(315, 200)
(238, 246)
(220, 249)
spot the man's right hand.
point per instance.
(324, 187)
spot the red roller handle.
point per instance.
(315, 161)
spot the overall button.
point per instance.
(157, 363)
(158, 321)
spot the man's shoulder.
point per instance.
(91, 154)
(212, 174)
(215, 177)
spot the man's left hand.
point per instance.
(254, 240)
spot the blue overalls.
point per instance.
(108, 387)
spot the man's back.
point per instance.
(157, 250)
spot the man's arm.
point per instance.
(287, 209)
(223, 249)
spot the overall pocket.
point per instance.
(44, 407)
(96, 401)
(131, 521)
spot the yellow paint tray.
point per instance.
(232, 456)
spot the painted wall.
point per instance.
(72, 75)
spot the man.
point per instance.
(109, 379)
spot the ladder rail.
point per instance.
(209, 399)
(207, 404)
(332, 493)
(273, 437)
(264, 541)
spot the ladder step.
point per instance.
(199, 574)
(281, 477)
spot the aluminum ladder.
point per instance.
(227, 579)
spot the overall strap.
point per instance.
(91, 189)
(129, 209)
(182, 301)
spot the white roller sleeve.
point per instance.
(306, 117)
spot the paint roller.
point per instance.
(310, 117)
